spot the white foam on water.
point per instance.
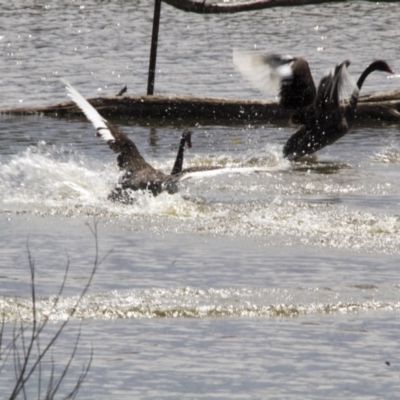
(38, 177)
(41, 177)
(389, 154)
(254, 195)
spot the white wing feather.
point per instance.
(90, 112)
(262, 74)
(346, 84)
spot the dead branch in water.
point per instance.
(202, 7)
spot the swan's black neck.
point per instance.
(179, 157)
(351, 108)
(375, 66)
(368, 70)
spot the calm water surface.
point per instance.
(269, 280)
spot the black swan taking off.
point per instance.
(319, 115)
(138, 174)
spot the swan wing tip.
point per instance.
(99, 123)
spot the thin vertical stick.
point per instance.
(153, 49)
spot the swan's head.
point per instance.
(380, 65)
(187, 136)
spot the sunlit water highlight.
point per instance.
(208, 303)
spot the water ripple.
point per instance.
(188, 302)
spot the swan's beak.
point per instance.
(387, 68)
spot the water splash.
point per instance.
(390, 154)
(258, 194)
(49, 178)
(188, 302)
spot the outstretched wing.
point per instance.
(129, 157)
(334, 86)
(287, 76)
(264, 72)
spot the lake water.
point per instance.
(277, 281)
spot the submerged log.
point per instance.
(185, 109)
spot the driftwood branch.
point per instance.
(202, 7)
(186, 110)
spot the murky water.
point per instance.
(269, 280)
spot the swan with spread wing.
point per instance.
(319, 114)
(138, 174)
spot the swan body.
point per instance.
(138, 174)
(320, 116)
(327, 120)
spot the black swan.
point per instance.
(138, 175)
(321, 119)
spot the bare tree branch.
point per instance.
(23, 343)
(202, 7)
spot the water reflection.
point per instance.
(312, 164)
(153, 138)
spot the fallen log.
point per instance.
(176, 109)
